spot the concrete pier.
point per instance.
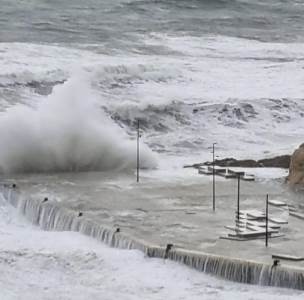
(154, 214)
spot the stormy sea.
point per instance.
(76, 77)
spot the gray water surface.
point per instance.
(118, 23)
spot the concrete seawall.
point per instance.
(50, 216)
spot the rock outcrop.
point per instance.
(296, 168)
(282, 161)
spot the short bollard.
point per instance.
(276, 262)
(168, 248)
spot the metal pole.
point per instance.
(266, 237)
(137, 165)
(213, 176)
(238, 197)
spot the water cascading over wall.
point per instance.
(50, 216)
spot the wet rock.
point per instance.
(275, 162)
(232, 162)
(296, 168)
(282, 161)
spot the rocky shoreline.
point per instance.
(282, 161)
(296, 169)
(294, 162)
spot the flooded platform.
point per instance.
(175, 212)
(178, 211)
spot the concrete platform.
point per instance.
(169, 211)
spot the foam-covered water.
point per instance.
(66, 265)
(208, 89)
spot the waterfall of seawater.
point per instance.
(50, 216)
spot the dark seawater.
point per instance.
(117, 22)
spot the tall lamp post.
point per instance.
(137, 160)
(238, 197)
(266, 235)
(213, 176)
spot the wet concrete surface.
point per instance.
(175, 210)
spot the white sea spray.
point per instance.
(67, 131)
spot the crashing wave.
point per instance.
(66, 132)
